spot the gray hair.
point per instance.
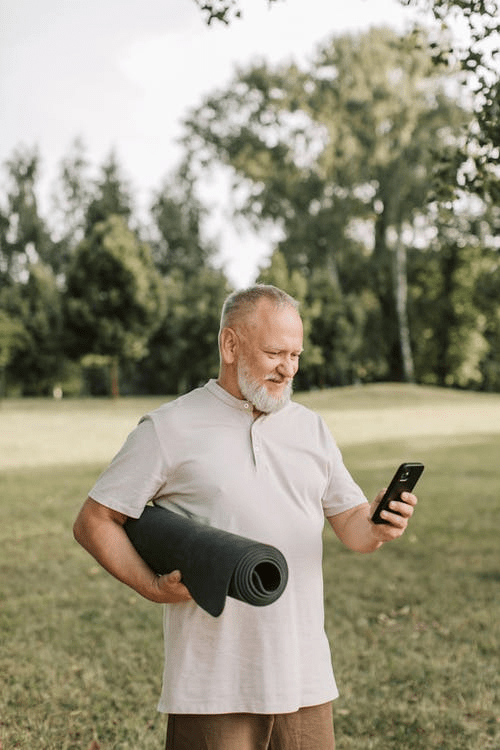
(241, 303)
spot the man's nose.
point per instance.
(287, 367)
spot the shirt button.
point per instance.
(246, 405)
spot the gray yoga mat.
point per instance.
(214, 563)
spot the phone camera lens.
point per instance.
(405, 475)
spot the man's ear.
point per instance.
(228, 344)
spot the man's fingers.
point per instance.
(404, 506)
(174, 576)
(171, 588)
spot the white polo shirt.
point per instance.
(272, 479)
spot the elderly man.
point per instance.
(240, 454)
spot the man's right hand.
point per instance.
(170, 589)
(100, 531)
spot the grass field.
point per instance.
(414, 628)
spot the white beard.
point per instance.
(258, 395)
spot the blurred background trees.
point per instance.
(388, 241)
(341, 157)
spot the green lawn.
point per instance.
(414, 628)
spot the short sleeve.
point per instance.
(342, 493)
(135, 474)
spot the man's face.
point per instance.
(270, 346)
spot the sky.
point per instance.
(122, 75)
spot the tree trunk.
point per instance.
(114, 372)
(400, 282)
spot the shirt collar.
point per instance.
(223, 395)
(236, 403)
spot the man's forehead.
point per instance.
(273, 324)
(269, 311)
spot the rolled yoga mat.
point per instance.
(214, 563)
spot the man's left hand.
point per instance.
(398, 515)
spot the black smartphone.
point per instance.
(404, 480)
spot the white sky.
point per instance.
(122, 74)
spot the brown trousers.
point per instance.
(309, 728)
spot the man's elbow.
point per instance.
(78, 532)
(81, 525)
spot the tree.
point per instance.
(71, 198)
(113, 297)
(24, 236)
(35, 342)
(294, 283)
(475, 166)
(183, 351)
(487, 296)
(339, 156)
(176, 241)
(12, 336)
(450, 320)
(111, 196)
(482, 139)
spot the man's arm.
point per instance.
(100, 531)
(355, 529)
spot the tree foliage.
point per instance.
(223, 11)
(111, 196)
(478, 59)
(12, 336)
(183, 353)
(450, 317)
(113, 294)
(176, 240)
(343, 165)
(24, 237)
(32, 312)
(340, 157)
(71, 199)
